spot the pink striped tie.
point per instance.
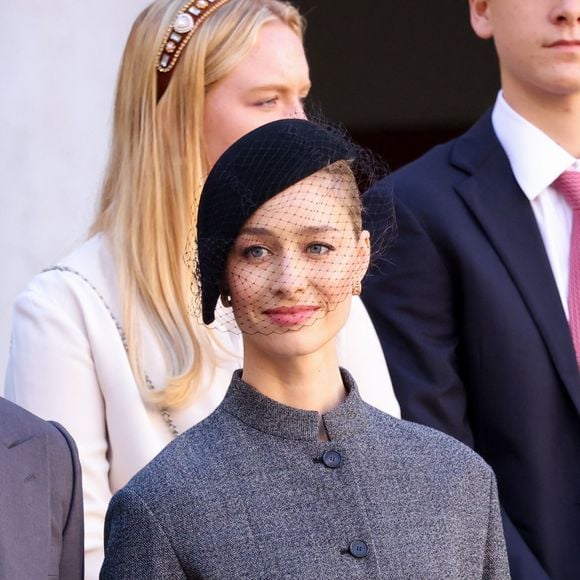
(568, 184)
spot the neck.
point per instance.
(311, 382)
(558, 116)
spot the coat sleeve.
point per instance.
(411, 299)
(495, 562)
(72, 541)
(51, 372)
(135, 544)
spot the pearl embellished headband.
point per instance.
(177, 36)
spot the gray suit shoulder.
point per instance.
(197, 450)
(426, 447)
(207, 447)
(18, 423)
(63, 490)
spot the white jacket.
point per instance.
(68, 363)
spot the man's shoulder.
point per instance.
(435, 159)
(18, 425)
(16, 421)
(443, 165)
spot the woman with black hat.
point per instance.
(294, 476)
(104, 341)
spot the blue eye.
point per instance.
(268, 102)
(319, 249)
(255, 252)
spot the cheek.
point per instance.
(223, 126)
(517, 44)
(335, 281)
(246, 284)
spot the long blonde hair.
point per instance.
(155, 173)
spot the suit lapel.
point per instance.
(503, 211)
(24, 505)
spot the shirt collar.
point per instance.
(535, 159)
(269, 416)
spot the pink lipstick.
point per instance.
(291, 315)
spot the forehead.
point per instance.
(277, 56)
(319, 200)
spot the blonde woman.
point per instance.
(104, 342)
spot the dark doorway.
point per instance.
(401, 75)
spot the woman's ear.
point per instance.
(363, 252)
(225, 296)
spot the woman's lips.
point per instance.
(290, 315)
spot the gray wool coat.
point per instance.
(252, 493)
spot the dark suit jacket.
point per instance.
(477, 341)
(41, 514)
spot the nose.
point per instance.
(290, 277)
(566, 12)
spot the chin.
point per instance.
(565, 80)
(294, 343)
(308, 340)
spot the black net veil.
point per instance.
(279, 228)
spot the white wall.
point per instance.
(59, 66)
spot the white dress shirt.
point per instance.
(536, 161)
(67, 363)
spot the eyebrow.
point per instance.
(277, 87)
(256, 231)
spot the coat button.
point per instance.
(358, 549)
(331, 459)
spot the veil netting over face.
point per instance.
(280, 242)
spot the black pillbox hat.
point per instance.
(254, 169)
